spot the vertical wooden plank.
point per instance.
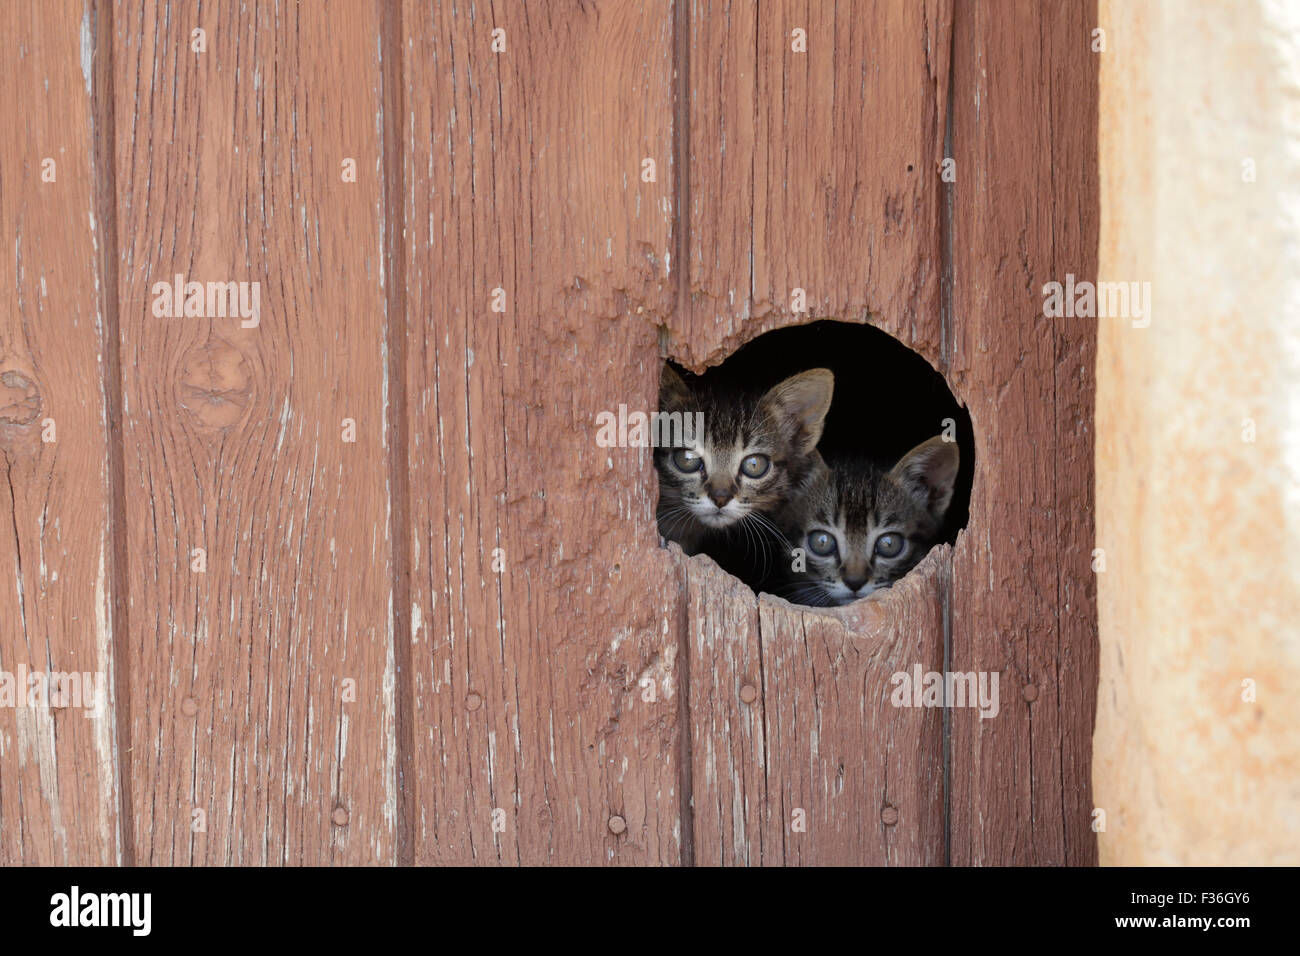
(262, 689)
(867, 773)
(58, 760)
(816, 170)
(801, 756)
(543, 613)
(1024, 603)
(729, 785)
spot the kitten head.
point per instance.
(862, 528)
(755, 450)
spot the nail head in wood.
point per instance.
(749, 693)
(889, 816)
(340, 817)
(189, 707)
(1030, 692)
(474, 701)
(617, 824)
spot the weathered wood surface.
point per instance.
(229, 168)
(524, 174)
(814, 170)
(535, 680)
(1024, 598)
(817, 171)
(799, 757)
(58, 768)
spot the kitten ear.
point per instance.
(674, 395)
(928, 472)
(800, 404)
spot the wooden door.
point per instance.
(432, 621)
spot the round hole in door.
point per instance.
(819, 462)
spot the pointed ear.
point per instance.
(674, 395)
(928, 472)
(800, 404)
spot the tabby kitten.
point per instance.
(720, 493)
(862, 528)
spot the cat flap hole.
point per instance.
(886, 401)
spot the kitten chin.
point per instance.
(720, 491)
(859, 528)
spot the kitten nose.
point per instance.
(854, 583)
(720, 496)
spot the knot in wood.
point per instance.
(215, 386)
(20, 399)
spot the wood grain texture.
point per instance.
(58, 765)
(1024, 601)
(229, 169)
(815, 170)
(536, 680)
(530, 682)
(802, 773)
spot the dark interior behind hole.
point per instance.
(887, 400)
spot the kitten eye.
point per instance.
(755, 466)
(889, 545)
(687, 460)
(821, 543)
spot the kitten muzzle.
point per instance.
(720, 496)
